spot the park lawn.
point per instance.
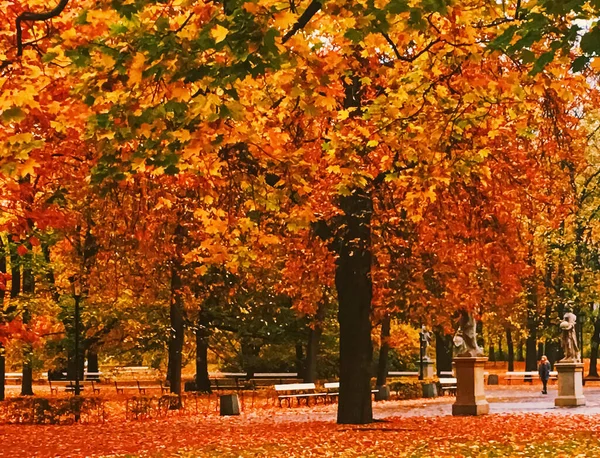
(297, 436)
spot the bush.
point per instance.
(144, 407)
(406, 388)
(53, 411)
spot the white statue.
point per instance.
(465, 340)
(569, 338)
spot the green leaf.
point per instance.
(590, 42)
(13, 114)
(49, 57)
(542, 61)
(353, 35)
(579, 64)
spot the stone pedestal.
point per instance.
(470, 393)
(229, 404)
(428, 368)
(570, 384)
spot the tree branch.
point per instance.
(32, 17)
(312, 9)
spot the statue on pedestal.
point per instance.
(425, 337)
(465, 340)
(569, 339)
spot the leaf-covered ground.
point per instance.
(271, 436)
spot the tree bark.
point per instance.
(443, 352)
(28, 290)
(531, 349)
(92, 366)
(355, 289)
(312, 348)
(511, 350)
(500, 350)
(176, 335)
(492, 351)
(384, 349)
(202, 338)
(594, 353)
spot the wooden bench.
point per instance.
(140, 385)
(13, 378)
(448, 385)
(224, 384)
(332, 389)
(529, 376)
(403, 374)
(298, 391)
(69, 385)
(144, 385)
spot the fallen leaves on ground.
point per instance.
(271, 435)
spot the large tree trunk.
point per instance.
(510, 345)
(384, 349)
(443, 352)
(354, 288)
(176, 335)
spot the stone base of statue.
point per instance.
(570, 384)
(428, 368)
(470, 393)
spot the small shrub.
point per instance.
(406, 388)
(53, 411)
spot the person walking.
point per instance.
(544, 371)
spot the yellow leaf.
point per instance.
(219, 33)
(284, 20)
(28, 167)
(343, 114)
(372, 143)
(137, 66)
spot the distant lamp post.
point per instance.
(76, 290)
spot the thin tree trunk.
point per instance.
(176, 335)
(355, 291)
(500, 350)
(511, 350)
(202, 339)
(595, 340)
(443, 352)
(531, 349)
(299, 362)
(492, 352)
(15, 271)
(28, 290)
(314, 337)
(384, 349)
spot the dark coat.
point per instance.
(544, 371)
